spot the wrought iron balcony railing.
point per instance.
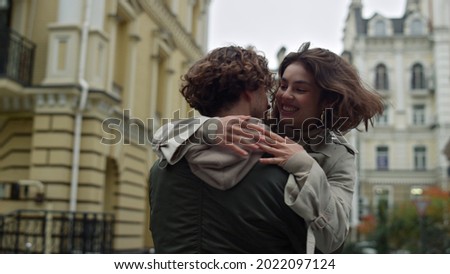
(16, 56)
(43, 231)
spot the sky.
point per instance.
(269, 25)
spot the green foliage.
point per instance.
(402, 228)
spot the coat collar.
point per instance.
(320, 141)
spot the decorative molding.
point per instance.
(126, 11)
(136, 6)
(166, 37)
(56, 101)
(183, 40)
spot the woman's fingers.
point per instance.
(234, 134)
(266, 133)
(268, 148)
(281, 151)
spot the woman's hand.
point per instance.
(233, 132)
(281, 148)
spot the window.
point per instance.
(416, 27)
(383, 119)
(382, 158)
(420, 158)
(381, 77)
(417, 79)
(419, 114)
(380, 28)
(2, 191)
(5, 13)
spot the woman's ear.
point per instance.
(329, 99)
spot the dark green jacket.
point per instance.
(189, 216)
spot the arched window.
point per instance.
(381, 77)
(416, 27)
(417, 77)
(380, 28)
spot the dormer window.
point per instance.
(416, 24)
(380, 28)
(417, 27)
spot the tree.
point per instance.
(400, 229)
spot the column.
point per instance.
(70, 12)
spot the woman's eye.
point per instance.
(283, 87)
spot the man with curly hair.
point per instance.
(189, 212)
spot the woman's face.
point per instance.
(298, 98)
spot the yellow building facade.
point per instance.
(83, 84)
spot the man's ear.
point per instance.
(247, 95)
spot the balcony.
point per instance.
(16, 57)
(63, 232)
(424, 92)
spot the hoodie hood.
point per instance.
(219, 167)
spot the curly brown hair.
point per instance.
(342, 89)
(216, 81)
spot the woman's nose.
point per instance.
(287, 94)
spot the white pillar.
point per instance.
(399, 89)
(175, 6)
(170, 89)
(97, 14)
(441, 27)
(205, 26)
(154, 89)
(112, 22)
(401, 117)
(132, 64)
(189, 14)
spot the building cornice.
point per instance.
(164, 18)
(401, 177)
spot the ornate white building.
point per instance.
(407, 60)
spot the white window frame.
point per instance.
(420, 158)
(418, 114)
